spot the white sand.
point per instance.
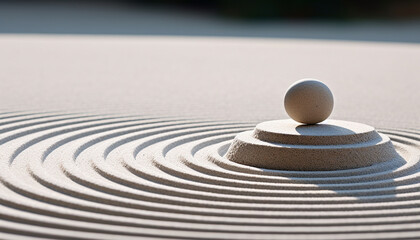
(222, 78)
(84, 176)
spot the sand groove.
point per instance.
(80, 176)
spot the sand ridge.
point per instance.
(84, 176)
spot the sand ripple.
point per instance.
(78, 176)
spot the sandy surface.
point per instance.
(70, 171)
(217, 78)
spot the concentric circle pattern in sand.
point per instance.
(78, 176)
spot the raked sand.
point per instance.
(125, 137)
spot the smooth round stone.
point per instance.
(329, 132)
(309, 101)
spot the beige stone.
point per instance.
(309, 101)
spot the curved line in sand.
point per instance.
(104, 177)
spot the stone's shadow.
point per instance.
(377, 186)
(350, 187)
(322, 130)
(344, 183)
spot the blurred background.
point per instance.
(374, 20)
(225, 59)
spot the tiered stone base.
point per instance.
(331, 145)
